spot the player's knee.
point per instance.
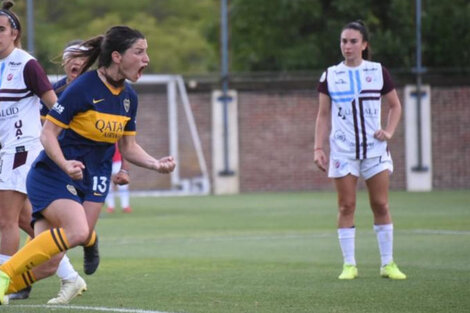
(77, 236)
(380, 208)
(347, 208)
(7, 223)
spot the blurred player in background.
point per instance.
(350, 101)
(120, 178)
(72, 68)
(69, 181)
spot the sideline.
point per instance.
(84, 308)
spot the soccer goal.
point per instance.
(181, 137)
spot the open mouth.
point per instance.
(141, 70)
(75, 70)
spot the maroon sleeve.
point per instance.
(322, 84)
(35, 78)
(388, 83)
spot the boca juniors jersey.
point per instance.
(355, 95)
(94, 117)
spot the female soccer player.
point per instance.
(95, 111)
(23, 83)
(350, 99)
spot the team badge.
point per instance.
(72, 189)
(127, 104)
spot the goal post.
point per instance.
(177, 97)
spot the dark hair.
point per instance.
(12, 18)
(361, 27)
(116, 38)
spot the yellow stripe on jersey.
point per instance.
(98, 126)
(130, 133)
(114, 90)
(57, 122)
(124, 133)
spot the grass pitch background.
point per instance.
(271, 253)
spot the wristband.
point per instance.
(124, 171)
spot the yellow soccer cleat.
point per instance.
(391, 271)
(4, 283)
(349, 272)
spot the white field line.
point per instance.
(83, 308)
(125, 241)
(441, 232)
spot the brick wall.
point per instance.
(276, 133)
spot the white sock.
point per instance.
(4, 258)
(124, 195)
(347, 238)
(110, 198)
(385, 240)
(65, 270)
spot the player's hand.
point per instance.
(74, 169)
(382, 135)
(166, 165)
(121, 178)
(320, 159)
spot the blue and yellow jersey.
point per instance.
(94, 116)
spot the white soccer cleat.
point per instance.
(69, 289)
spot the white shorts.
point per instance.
(340, 167)
(116, 167)
(14, 168)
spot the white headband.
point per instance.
(70, 50)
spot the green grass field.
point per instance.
(271, 253)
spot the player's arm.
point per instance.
(49, 98)
(322, 125)
(36, 80)
(48, 138)
(394, 115)
(134, 153)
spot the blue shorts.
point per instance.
(46, 184)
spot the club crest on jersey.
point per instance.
(127, 104)
(72, 189)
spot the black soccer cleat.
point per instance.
(20, 295)
(91, 258)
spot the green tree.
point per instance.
(174, 29)
(265, 35)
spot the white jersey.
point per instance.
(20, 83)
(355, 95)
